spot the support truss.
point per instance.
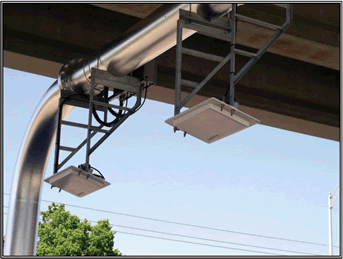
(190, 20)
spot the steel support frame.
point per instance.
(179, 50)
(129, 84)
(192, 20)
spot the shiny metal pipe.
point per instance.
(143, 42)
(23, 213)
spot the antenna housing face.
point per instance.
(212, 120)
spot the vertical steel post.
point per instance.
(89, 121)
(177, 108)
(105, 116)
(232, 51)
(330, 225)
(289, 13)
(58, 134)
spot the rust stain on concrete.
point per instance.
(255, 36)
(322, 55)
(283, 43)
(137, 10)
(289, 46)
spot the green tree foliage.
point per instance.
(63, 234)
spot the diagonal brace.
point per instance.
(207, 78)
(76, 150)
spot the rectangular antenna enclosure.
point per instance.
(76, 181)
(212, 120)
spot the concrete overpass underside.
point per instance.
(294, 86)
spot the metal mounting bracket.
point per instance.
(218, 29)
(118, 85)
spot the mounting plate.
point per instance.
(76, 181)
(212, 120)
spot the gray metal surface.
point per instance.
(207, 78)
(76, 150)
(233, 56)
(178, 81)
(201, 54)
(245, 53)
(188, 19)
(143, 42)
(140, 44)
(198, 19)
(74, 124)
(258, 22)
(90, 115)
(70, 149)
(23, 213)
(212, 120)
(213, 11)
(77, 181)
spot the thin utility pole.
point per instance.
(330, 216)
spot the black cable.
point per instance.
(190, 225)
(114, 95)
(101, 122)
(120, 113)
(145, 95)
(95, 113)
(126, 102)
(133, 94)
(101, 176)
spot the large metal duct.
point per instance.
(140, 44)
(143, 42)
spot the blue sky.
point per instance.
(263, 180)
